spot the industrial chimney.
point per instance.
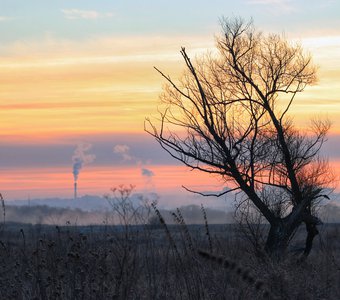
(75, 190)
(79, 159)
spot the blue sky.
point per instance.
(67, 19)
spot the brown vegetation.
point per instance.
(38, 262)
(138, 260)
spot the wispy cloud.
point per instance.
(5, 19)
(276, 6)
(73, 14)
(136, 48)
(268, 2)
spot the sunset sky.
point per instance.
(81, 73)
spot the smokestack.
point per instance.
(75, 190)
(79, 159)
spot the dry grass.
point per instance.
(139, 262)
(157, 261)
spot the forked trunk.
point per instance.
(278, 239)
(280, 234)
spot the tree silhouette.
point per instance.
(228, 115)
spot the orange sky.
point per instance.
(66, 91)
(58, 182)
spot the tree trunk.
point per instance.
(278, 239)
(312, 232)
(281, 231)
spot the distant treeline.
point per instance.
(43, 214)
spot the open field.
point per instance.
(147, 262)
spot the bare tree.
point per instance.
(228, 115)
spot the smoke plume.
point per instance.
(148, 178)
(124, 151)
(147, 173)
(81, 158)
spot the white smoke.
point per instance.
(124, 151)
(80, 158)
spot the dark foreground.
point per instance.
(146, 262)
